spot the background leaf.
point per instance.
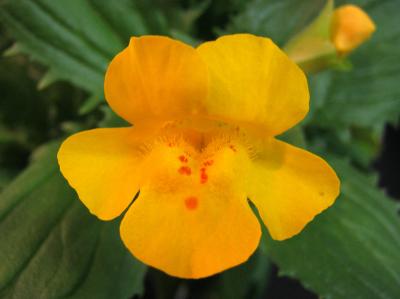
(353, 107)
(369, 95)
(352, 250)
(28, 117)
(247, 280)
(51, 247)
(73, 44)
(279, 20)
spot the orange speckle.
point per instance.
(185, 170)
(191, 202)
(208, 163)
(203, 176)
(183, 159)
(232, 147)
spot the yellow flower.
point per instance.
(351, 26)
(201, 145)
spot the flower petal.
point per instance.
(254, 83)
(156, 78)
(192, 218)
(102, 166)
(290, 187)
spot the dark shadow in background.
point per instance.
(388, 162)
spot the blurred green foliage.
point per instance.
(351, 250)
(51, 247)
(51, 81)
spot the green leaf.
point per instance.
(369, 95)
(51, 247)
(76, 39)
(125, 19)
(279, 20)
(6, 176)
(352, 250)
(248, 280)
(343, 104)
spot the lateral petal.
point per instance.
(290, 186)
(103, 166)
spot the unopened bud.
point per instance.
(351, 26)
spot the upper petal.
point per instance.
(192, 218)
(290, 186)
(103, 166)
(156, 78)
(254, 83)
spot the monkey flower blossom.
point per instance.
(201, 145)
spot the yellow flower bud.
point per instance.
(351, 26)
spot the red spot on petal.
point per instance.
(232, 147)
(184, 170)
(191, 202)
(208, 163)
(183, 159)
(203, 176)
